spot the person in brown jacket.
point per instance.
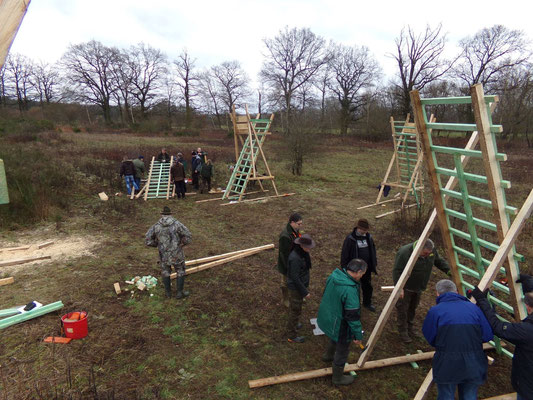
(177, 175)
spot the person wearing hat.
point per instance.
(415, 285)
(360, 244)
(286, 243)
(339, 316)
(177, 175)
(169, 236)
(298, 267)
(140, 169)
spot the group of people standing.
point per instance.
(456, 327)
(201, 171)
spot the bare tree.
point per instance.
(148, 66)
(489, 54)
(322, 83)
(354, 71)
(187, 80)
(3, 91)
(210, 95)
(293, 58)
(91, 72)
(44, 80)
(232, 83)
(419, 61)
(124, 74)
(18, 71)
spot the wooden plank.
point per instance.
(424, 389)
(442, 218)
(503, 251)
(116, 285)
(57, 339)
(23, 260)
(395, 211)
(387, 288)
(393, 298)
(45, 244)
(496, 193)
(169, 177)
(37, 312)
(18, 248)
(258, 198)
(218, 262)
(377, 204)
(147, 186)
(7, 281)
(317, 373)
(232, 253)
(508, 396)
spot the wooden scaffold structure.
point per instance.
(476, 258)
(404, 172)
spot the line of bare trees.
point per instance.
(332, 87)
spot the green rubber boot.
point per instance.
(329, 353)
(339, 378)
(166, 282)
(181, 293)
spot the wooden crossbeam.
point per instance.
(259, 198)
(232, 253)
(23, 260)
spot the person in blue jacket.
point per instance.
(457, 329)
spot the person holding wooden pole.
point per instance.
(339, 316)
(286, 239)
(169, 236)
(518, 333)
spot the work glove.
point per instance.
(478, 294)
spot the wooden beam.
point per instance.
(387, 288)
(7, 281)
(395, 211)
(221, 198)
(22, 260)
(508, 396)
(377, 204)
(18, 248)
(218, 257)
(317, 373)
(424, 389)
(218, 262)
(45, 244)
(259, 198)
(393, 298)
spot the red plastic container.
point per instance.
(75, 329)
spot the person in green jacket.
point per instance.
(286, 239)
(140, 169)
(339, 316)
(415, 285)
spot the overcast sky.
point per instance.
(214, 31)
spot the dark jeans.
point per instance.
(467, 391)
(180, 188)
(195, 176)
(366, 287)
(295, 310)
(406, 309)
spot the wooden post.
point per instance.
(169, 177)
(148, 180)
(496, 193)
(435, 188)
(423, 391)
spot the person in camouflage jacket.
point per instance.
(169, 236)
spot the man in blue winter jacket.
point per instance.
(457, 329)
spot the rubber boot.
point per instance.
(412, 332)
(166, 282)
(339, 378)
(404, 337)
(329, 353)
(181, 293)
(285, 295)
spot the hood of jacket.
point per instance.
(166, 220)
(341, 278)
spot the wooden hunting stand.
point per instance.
(249, 134)
(405, 168)
(468, 240)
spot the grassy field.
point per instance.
(231, 328)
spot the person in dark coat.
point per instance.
(177, 175)
(196, 166)
(360, 244)
(457, 329)
(127, 170)
(206, 174)
(339, 316)
(163, 156)
(299, 265)
(415, 285)
(286, 239)
(521, 335)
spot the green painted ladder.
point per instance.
(470, 237)
(245, 168)
(4, 195)
(158, 185)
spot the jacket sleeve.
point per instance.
(430, 327)
(293, 272)
(284, 249)
(150, 238)
(373, 254)
(345, 252)
(513, 332)
(121, 170)
(486, 330)
(399, 264)
(352, 315)
(184, 234)
(441, 263)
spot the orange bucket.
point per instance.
(75, 324)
